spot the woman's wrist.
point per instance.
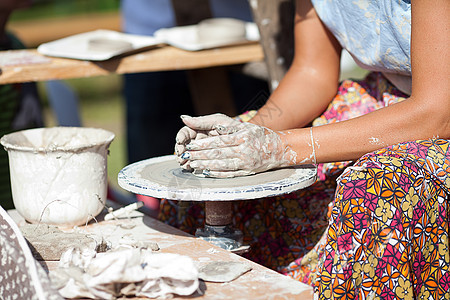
(299, 146)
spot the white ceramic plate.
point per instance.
(186, 37)
(96, 45)
(162, 177)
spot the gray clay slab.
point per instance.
(223, 271)
(162, 177)
(48, 243)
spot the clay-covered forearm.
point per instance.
(349, 140)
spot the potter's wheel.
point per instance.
(162, 177)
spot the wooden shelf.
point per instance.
(164, 58)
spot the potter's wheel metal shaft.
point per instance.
(218, 229)
(218, 213)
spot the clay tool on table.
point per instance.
(124, 211)
(162, 177)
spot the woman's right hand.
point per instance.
(220, 146)
(203, 127)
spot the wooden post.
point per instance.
(275, 20)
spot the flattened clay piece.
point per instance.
(47, 242)
(223, 271)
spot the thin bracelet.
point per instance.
(313, 148)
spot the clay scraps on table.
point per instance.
(223, 271)
(124, 272)
(48, 243)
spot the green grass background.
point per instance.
(44, 9)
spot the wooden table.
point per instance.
(259, 283)
(208, 81)
(162, 58)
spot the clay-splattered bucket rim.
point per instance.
(10, 141)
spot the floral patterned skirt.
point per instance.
(278, 229)
(388, 217)
(389, 227)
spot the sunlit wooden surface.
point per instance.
(259, 283)
(162, 58)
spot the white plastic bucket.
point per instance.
(58, 174)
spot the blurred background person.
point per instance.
(20, 106)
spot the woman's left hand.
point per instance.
(240, 148)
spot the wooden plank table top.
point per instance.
(259, 283)
(160, 58)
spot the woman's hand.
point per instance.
(200, 128)
(223, 147)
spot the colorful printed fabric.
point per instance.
(389, 228)
(377, 33)
(355, 99)
(279, 229)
